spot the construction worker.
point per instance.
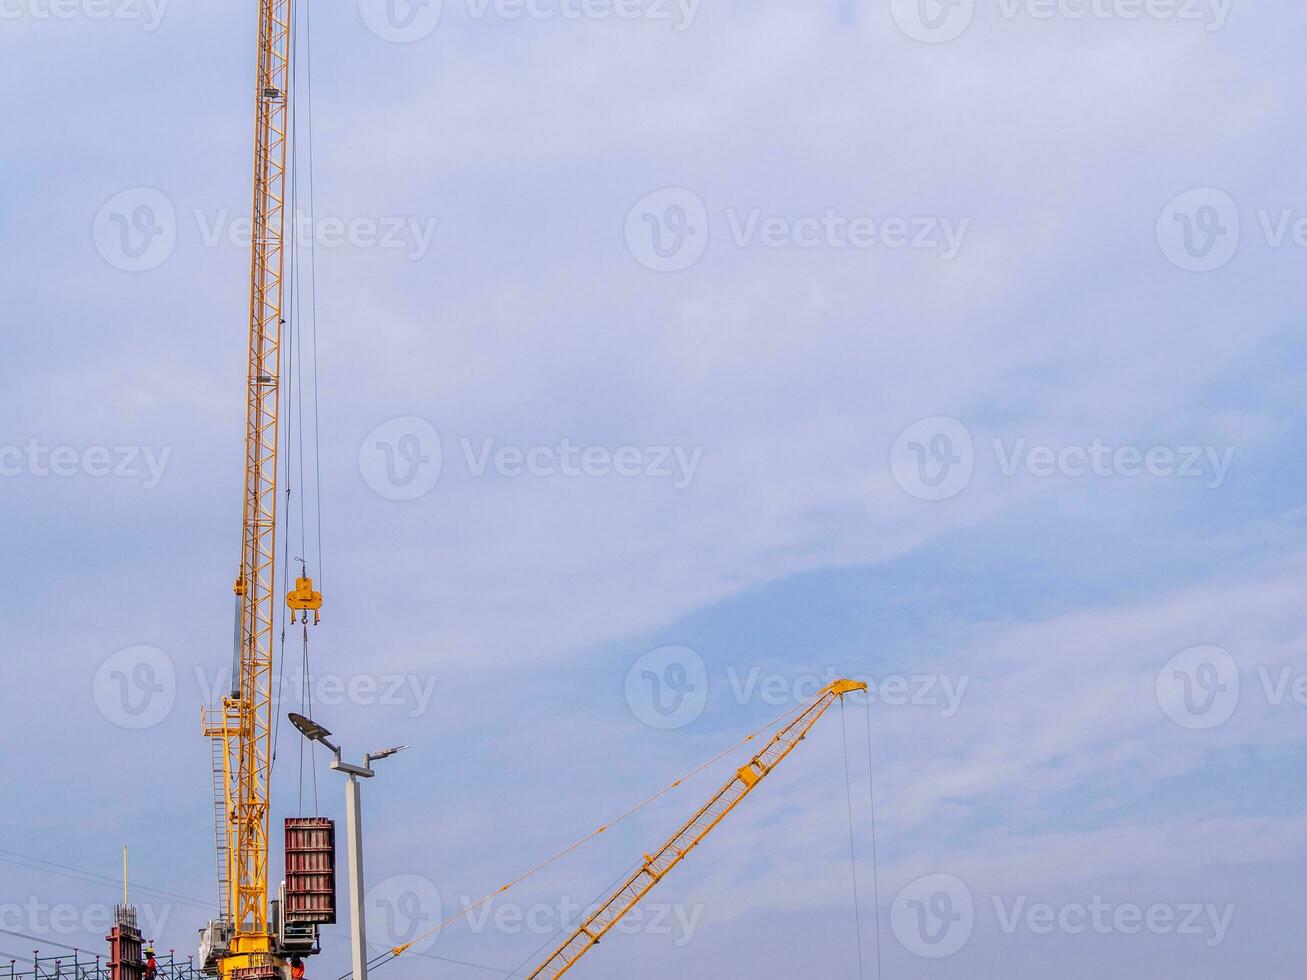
(296, 968)
(151, 964)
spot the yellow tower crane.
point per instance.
(240, 942)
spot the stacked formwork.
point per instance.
(310, 871)
(126, 946)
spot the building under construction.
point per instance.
(127, 957)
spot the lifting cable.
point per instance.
(299, 314)
(390, 955)
(287, 354)
(307, 281)
(313, 366)
(853, 856)
(853, 851)
(875, 866)
(313, 300)
(306, 699)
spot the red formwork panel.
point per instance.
(310, 871)
(126, 961)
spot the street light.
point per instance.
(314, 732)
(311, 730)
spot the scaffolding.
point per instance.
(81, 965)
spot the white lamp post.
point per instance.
(314, 732)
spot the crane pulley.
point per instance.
(303, 600)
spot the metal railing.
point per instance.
(79, 965)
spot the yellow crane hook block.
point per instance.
(302, 599)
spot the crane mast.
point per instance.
(256, 581)
(241, 939)
(656, 866)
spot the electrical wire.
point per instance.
(38, 939)
(91, 877)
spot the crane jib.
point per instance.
(657, 865)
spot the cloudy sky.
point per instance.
(673, 358)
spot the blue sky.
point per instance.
(685, 244)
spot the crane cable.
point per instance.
(389, 956)
(306, 698)
(311, 275)
(304, 39)
(289, 321)
(298, 259)
(875, 865)
(853, 851)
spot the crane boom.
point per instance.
(243, 725)
(656, 866)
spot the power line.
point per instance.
(91, 877)
(44, 942)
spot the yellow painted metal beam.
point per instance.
(244, 722)
(690, 835)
